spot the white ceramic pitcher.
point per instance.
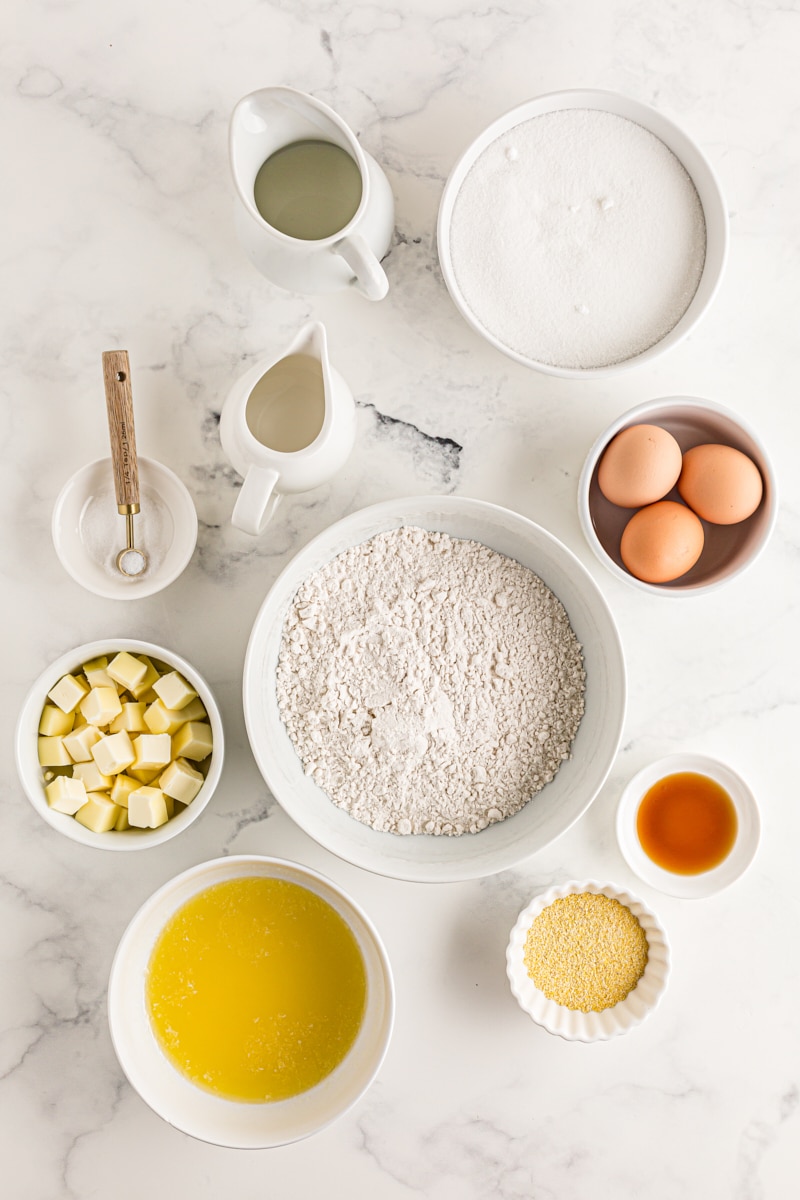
(287, 425)
(261, 124)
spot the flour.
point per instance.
(429, 684)
(578, 239)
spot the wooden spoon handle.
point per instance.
(119, 403)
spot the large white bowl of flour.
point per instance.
(553, 809)
(582, 232)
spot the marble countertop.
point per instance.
(118, 231)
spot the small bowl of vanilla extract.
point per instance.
(688, 825)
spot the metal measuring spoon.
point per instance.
(119, 403)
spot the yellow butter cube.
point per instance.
(181, 781)
(152, 750)
(147, 808)
(93, 778)
(122, 787)
(53, 752)
(193, 711)
(147, 776)
(131, 718)
(96, 672)
(65, 795)
(170, 805)
(173, 689)
(127, 670)
(146, 682)
(79, 743)
(122, 823)
(98, 813)
(101, 706)
(114, 753)
(54, 722)
(193, 741)
(68, 692)
(160, 719)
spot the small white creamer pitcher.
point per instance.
(281, 119)
(287, 425)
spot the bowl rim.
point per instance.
(25, 754)
(570, 1024)
(184, 517)
(391, 514)
(705, 883)
(636, 415)
(667, 131)
(166, 900)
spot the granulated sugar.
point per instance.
(429, 684)
(578, 239)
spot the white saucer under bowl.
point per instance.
(706, 883)
(88, 532)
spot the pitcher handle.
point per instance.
(257, 501)
(370, 277)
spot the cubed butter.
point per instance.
(65, 794)
(101, 706)
(131, 718)
(193, 711)
(173, 689)
(122, 787)
(193, 741)
(122, 823)
(68, 692)
(53, 752)
(160, 719)
(96, 672)
(181, 781)
(148, 776)
(124, 668)
(139, 690)
(114, 753)
(147, 808)
(93, 778)
(54, 722)
(79, 743)
(98, 813)
(152, 750)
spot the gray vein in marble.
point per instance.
(434, 458)
(757, 1139)
(256, 811)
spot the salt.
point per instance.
(584, 251)
(102, 531)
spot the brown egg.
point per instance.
(661, 542)
(720, 483)
(639, 466)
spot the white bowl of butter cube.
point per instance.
(119, 744)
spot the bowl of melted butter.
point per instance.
(251, 1002)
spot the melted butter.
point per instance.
(256, 989)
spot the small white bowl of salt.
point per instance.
(88, 532)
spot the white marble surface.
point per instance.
(117, 231)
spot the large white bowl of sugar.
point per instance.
(582, 233)
(553, 808)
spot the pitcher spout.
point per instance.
(266, 120)
(312, 341)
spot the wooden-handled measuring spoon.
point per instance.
(119, 402)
